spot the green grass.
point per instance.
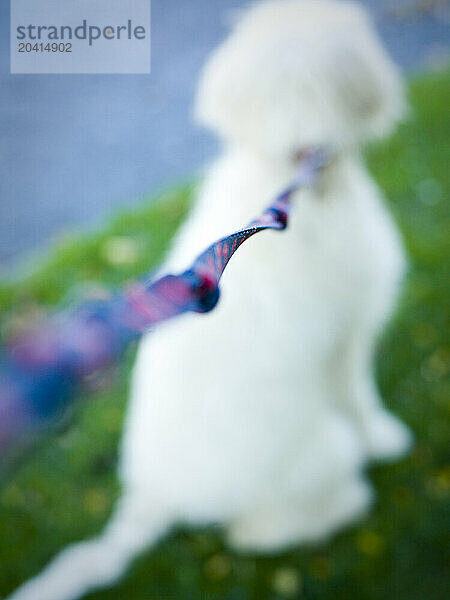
(65, 488)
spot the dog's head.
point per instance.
(300, 73)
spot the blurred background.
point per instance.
(96, 174)
(76, 147)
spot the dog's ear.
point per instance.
(222, 93)
(367, 87)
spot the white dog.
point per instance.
(261, 415)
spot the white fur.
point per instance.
(261, 415)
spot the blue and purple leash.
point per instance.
(40, 370)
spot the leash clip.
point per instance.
(205, 290)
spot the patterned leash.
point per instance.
(41, 369)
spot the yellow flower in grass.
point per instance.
(120, 250)
(95, 501)
(287, 582)
(370, 543)
(218, 566)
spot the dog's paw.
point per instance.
(274, 531)
(386, 437)
(261, 536)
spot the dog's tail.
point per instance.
(100, 561)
